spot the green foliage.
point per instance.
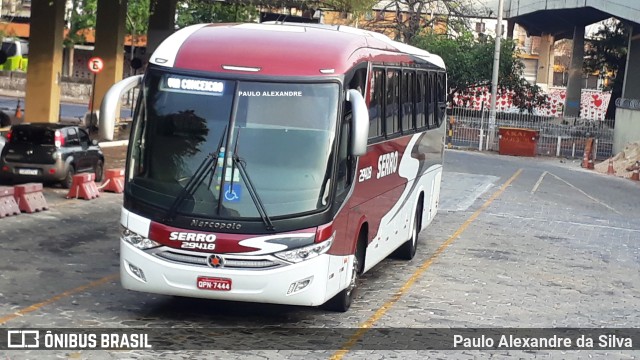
(470, 65)
(355, 7)
(81, 16)
(607, 53)
(137, 16)
(191, 12)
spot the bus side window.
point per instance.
(345, 163)
(392, 102)
(375, 104)
(421, 97)
(441, 99)
(408, 101)
(431, 98)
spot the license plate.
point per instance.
(215, 284)
(28, 171)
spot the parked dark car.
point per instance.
(49, 153)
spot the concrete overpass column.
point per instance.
(110, 33)
(42, 102)
(544, 76)
(574, 85)
(631, 88)
(161, 23)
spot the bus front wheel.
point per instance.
(341, 302)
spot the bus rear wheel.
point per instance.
(407, 250)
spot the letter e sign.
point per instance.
(95, 65)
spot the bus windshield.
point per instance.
(281, 135)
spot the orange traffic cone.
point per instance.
(611, 170)
(635, 176)
(18, 111)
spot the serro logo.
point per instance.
(190, 236)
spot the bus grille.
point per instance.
(230, 262)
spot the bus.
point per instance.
(277, 163)
(14, 55)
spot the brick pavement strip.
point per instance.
(554, 258)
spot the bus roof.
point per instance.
(289, 49)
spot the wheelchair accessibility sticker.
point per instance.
(232, 194)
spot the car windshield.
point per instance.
(282, 133)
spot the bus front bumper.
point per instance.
(323, 275)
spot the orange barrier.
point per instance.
(611, 170)
(83, 186)
(635, 176)
(30, 198)
(8, 204)
(113, 181)
(587, 161)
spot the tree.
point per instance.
(137, 21)
(410, 18)
(470, 64)
(191, 12)
(607, 53)
(80, 17)
(355, 7)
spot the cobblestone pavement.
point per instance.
(557, 248)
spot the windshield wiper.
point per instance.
(252, 190)
(199, 175)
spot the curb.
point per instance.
(109, 144)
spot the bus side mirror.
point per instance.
(360, 123)
(110, 108)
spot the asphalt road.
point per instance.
(67, 110)
(518, 243)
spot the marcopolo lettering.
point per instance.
(217, 225)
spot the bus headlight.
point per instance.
(305, 252)
(138, 240)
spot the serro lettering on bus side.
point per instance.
(387, 164)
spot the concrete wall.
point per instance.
(14, 83)
(627, 128)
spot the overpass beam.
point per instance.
(110, 33)
(42, 101)
(574, 84)
(544, 76)
(631, 87)
(161, 23)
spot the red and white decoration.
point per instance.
(593, 103)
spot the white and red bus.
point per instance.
(276, 163)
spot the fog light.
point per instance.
(137, 272)
(299, 285)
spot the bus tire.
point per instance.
(341, 302)
(407, 250)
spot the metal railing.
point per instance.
(561, 137)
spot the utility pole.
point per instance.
(494, 81)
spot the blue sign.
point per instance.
(232, 194)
